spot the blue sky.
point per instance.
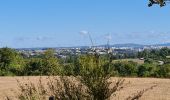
(53, 23)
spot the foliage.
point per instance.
(156, 54)
(51, 64)
(126, 68)
(11, 63)
(164, 71)
(146, 70)
(34, 67)
(95, 77)
(68, 69)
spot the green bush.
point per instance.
(147, 70)
(126, 68)
(95, 76)
(34, 67)
(11, 62)
(164, 71)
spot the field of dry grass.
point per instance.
(161, 92)
(134, 60)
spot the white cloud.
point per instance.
(43, 38)
(83, 32)
(22, 39)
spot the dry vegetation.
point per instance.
(134, 60)
(133, 87)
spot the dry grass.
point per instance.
(134, 60)
(133, 85)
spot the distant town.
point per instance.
(129, 49)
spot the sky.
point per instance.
(63, 23)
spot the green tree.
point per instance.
(147, 70)
(126, 68)
(11, 62)
(143, 54)
(164, 71)
(51, 65)
(33, 67)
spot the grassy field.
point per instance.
(134, 60)
(162, 92)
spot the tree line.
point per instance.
(13, 63)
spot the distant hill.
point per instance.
(132, 45)
(165, 44)
(128, 45)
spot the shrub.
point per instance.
(95, 77)
(164, 71)
(147, 70)
(125, 68)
